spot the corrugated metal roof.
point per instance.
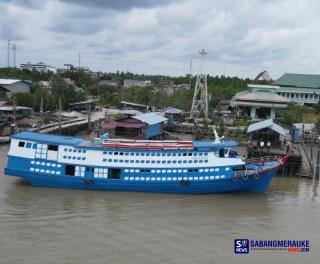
(8, 81)
(150, 118)
(266, 124)
(10, 108)
(13, 81)
(172, 110)
(299, 80)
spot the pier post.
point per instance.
(316, 169)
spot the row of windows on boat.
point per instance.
(156, 161)
(142, 154)
(174, 170)
(156, 154)
(29, 145)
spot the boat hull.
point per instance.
(253, 183)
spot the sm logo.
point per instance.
(241, 246)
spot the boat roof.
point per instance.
(47, 138)
(214, 145)
(77, 141)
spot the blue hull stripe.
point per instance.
(227, 185)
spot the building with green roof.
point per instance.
(259, 104)
(298, 88)
(265, 101)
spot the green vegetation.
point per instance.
(293, 114)
(218, 88)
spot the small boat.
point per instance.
(188, 167)
(4, 139)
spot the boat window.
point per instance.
(189, 154)
(28, 145)
(184, 154)
(239, 168)
(21, 144)
(69, 170)
(53, 147)
(221, 153)
(121, 153)
(116, 153)
(114, 174)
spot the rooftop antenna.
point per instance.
(200, 97)
(14, 48)
(9, 53)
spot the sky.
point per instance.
(242, 38)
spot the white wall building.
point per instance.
(41, 67)
(132, 83)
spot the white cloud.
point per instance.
(242, 37)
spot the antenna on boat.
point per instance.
(217, 139)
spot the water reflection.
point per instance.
(43, 225)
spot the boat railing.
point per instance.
(245, 173)
(263, 159)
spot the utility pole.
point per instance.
(14, 115)
(14, 54)
(79, 61)
(59, 116)
(8, 53)
(190, 76)
(41, 112)
(89, 115)
(200, 97)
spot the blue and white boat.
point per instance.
(190, 167)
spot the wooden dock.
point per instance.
(293, 164)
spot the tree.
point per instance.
(293, 114)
